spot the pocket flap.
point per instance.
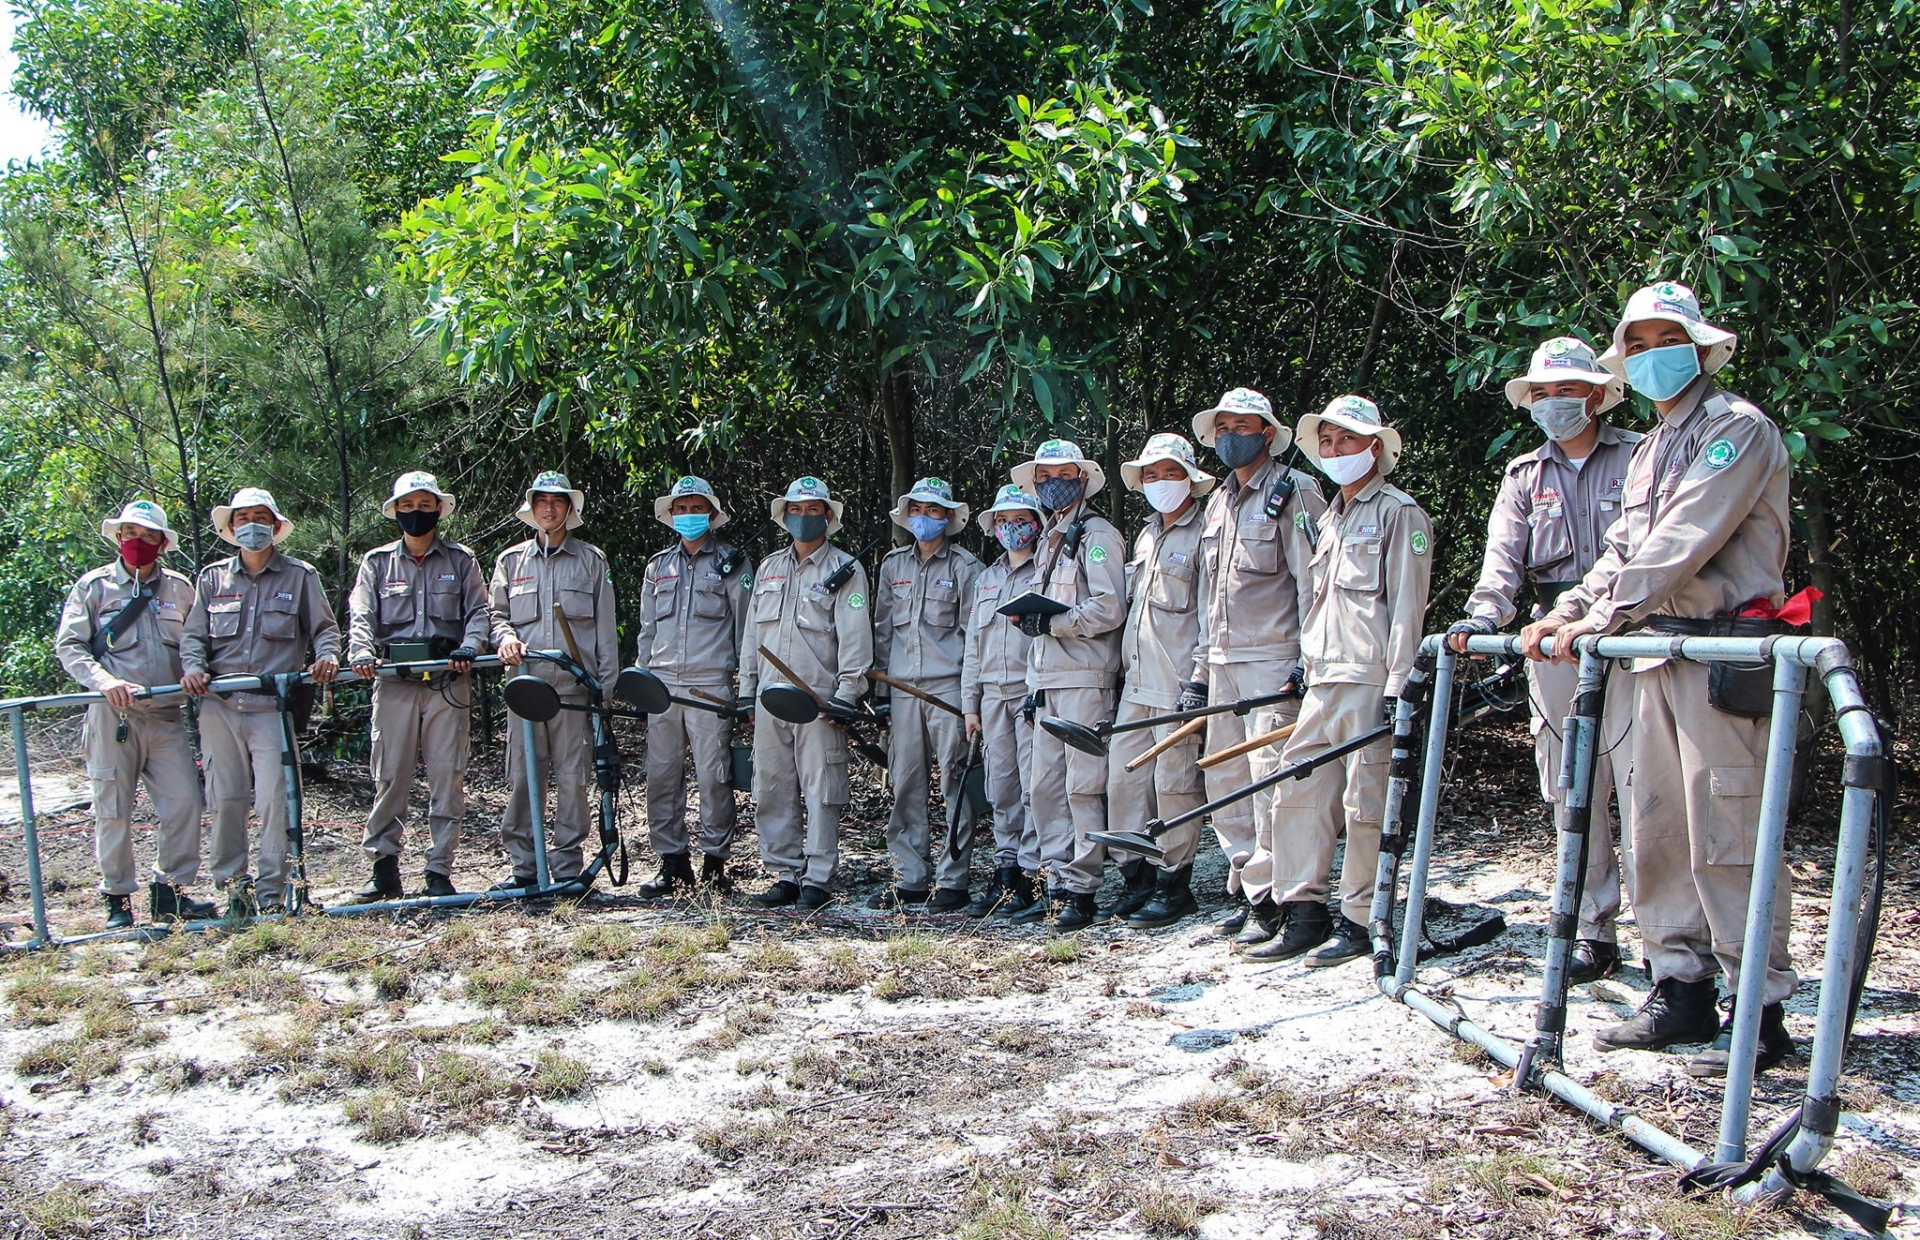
(1737, 781)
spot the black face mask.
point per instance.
(418, 522)
(810, 527)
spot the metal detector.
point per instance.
(1093, 739)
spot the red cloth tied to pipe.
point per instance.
(1796, 611)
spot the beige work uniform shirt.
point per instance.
(1549, 522)
(1703, 529)
(1081, 648)
(259, 624)
(692, 618)
(995, 665)
(920, 611)
(1253, 585)
(824, 637)
(1371, 573)
(1163, 616)
(527, 582)
(398, 598)
(148, 653)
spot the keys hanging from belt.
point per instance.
(120, 730)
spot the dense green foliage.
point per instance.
(311, 244)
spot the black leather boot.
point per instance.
(1078, 910)
(1676, 1011)
(1263, 922)
(713, 873)
(1776, 1044)
(168, 903)
(948, 900)
(384, 885)
(1172, 899)
(676, 874)
(1036, 908)
(1592, 959)
(1236, 919)
(999, 887)
(1349, 942)
(438, 884)
(119, 912)
(1306, 925)
(1140, 877)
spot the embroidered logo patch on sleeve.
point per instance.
(1098, 555)
(856, 600)
(1419, 542)
(1721, 453)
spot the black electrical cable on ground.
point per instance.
(1772, 1154)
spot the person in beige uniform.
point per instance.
(993, 692)
(1370, 575)
(119, 632)
(1548, 524)
(1156, 649)
(553, 570)
(926, 591)
(692, 614)
(1702, 541)
(1256, 540)
(426, 593)
(1073, 665)
(257, 613)
(824, 636)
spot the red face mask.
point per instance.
(138, 552)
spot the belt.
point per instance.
(1717, 626)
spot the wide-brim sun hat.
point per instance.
(1010, 499)
(1676, 303)
(1168, 447)
(932, 491)
(805, 488)
(419, 480)
(554, 483)
(250, 497)
(139, 512)
(1243, 400)
(1359, 415)
(689, 485)
(1060, 452)
(1561, 359)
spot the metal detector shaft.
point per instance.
(1239, 706)
(36, 889)
(297, 894)
(1298, 770)
(536, 801)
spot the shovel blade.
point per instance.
(1078, 735)
(1129, 842)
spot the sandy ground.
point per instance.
(703, 1069)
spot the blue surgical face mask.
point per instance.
(1663, 373)
(1059, 494)
(811, 527)
(925, 528)
(1235, 451)
(254, 536)
(691, 525)
(1016, 535)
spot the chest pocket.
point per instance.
(1358, 566)
(1551, 541)
(280, 620)
(223, 619)
(767, 599)
(943, 605)
(1257, 549)
(1172, 588)
(814, 611)
(576, 603)
(1063, 583)
(396, 604)
(444, 601)
(710, 601)
(523, 603)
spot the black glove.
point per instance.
(836, 704)
(1473, 626)
(743, 708)
(1193, 695)
(883, 710)
(1034, 624)
(1389, 706)
(462, 654)
(1029, 709)
(1297, 682)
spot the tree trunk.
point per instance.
(1363, 369)
(896, 414)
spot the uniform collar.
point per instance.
(1374, 486)
(565, 547)
(1262, 477)
(1192, 513)
(826, 545)
(1552, 451)
(945, 550)
(274, 563)
(122, 575)
(1699, 391)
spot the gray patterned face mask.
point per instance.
(254, 536)
(1561, 417)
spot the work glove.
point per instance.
(462, 654)
(836, 703)
(883, 710)
(1034, 624)
(1297, 682)
(743, 707)
(1473, 626)
(1029, 709)
(1193, 695)
(1389, 706)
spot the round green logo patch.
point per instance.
(1419, 542)
(856, 600)
(746, 581)
(1720, 454)
(1098, 555)
(1299, 520)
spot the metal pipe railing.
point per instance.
(1791, 657)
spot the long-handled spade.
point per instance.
(1093, 739)
(1147, 842)
(797, 703)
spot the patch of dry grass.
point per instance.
(1165, 1209)
(730, 1142)
(998, 1206)
(558, 1075)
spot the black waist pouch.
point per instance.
(1742, 689)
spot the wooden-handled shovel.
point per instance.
(1245, 747)
(1181, 733)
